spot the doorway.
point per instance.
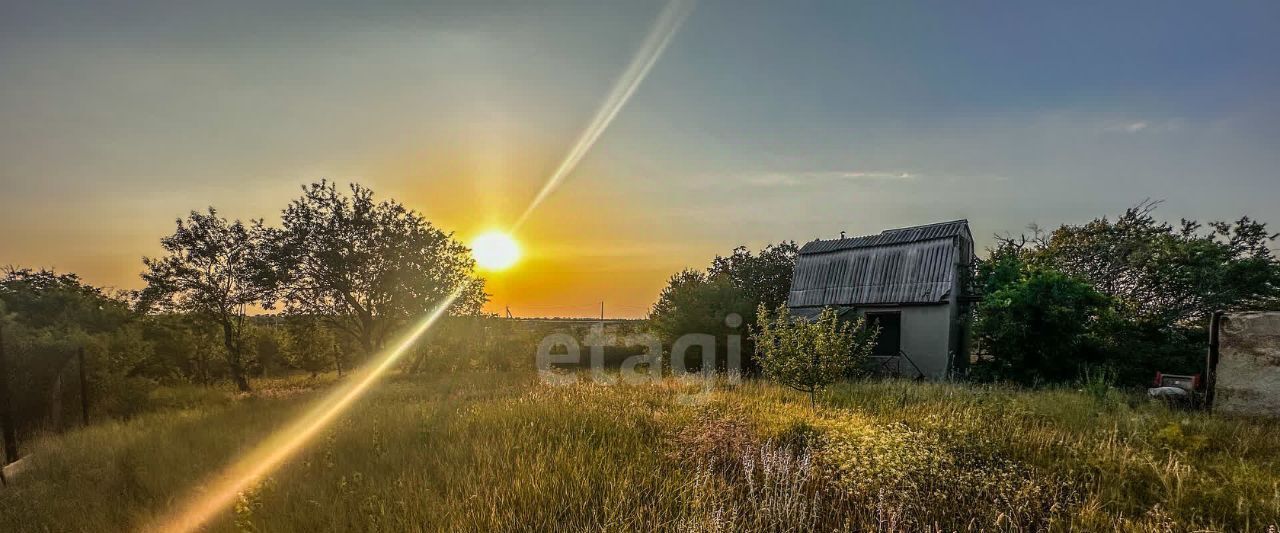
(889, 342)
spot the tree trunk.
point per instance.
(366, 342)
(233, 357)
(337, 358)
(84, 389)
(6, 412)
(242, 382)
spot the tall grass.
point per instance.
(498, 451)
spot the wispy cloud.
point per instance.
(1144, 126)
(788, 179)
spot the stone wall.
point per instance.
(1248, 375)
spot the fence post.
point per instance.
(6, 412)
(84, 390)
(1211, 365)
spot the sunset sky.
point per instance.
(762, 121)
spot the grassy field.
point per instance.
(494, 451)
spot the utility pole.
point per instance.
(602, 310)
(6, 411)
(84, 390)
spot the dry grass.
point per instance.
(497, 451)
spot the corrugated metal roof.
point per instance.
(940, 230)
(811, 313)
(907, 265)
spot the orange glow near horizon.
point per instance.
(493, 250)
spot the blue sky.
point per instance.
(762, 121)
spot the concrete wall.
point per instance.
(1248, 374)
(926, 336)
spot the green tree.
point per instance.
(1166, 274)
(1040, 326)
(48, 317)
(215, 269)
(46, 299)
(699, 302)
(694, 302)
(809, 355)
(311, 346)
(764, 278)
(1163, 281)
(368, 268)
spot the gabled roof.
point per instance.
(915, 265)
(938, 230)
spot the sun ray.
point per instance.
(223, 490)
(270, 453)
(670, 20)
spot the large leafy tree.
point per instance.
(1162, 273)
(366, 267)
(1160, 281)
(698, 302)
(215, 269)
(764, 278)
(695, 302)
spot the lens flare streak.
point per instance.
(268, 455)
(219, 494)
(670, 20)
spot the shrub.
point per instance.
(694, 302)
(1163, 281)
(809, 355)
(1039, 327)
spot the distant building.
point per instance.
(908, 281)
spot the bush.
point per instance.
(694, 302)
(312, 347)
(699, 302)
(1162, 283)
(1040, 327)
(480, 343)
(809, 355)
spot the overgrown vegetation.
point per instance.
(497, 450)
(737, 284)
(464, 437)
(809, 355)
(348, 271)
(1133, 293)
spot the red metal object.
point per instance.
(1188, 382)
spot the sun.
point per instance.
(495, 250)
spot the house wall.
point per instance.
(1248, 373)
(926, 336)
